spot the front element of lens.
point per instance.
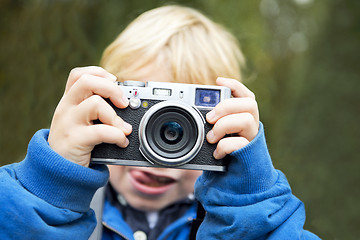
(171, 133)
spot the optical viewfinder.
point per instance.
(162, 92)
(207, 97)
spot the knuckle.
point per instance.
(226, 146)
(248, 119)
(221, 146)
(252, 103)
(84, 78)
(243, 142)
(75, 72)
(219, 108)
(240, 143)
(97, 68)
(219, 126)
(96, 101)
(84, 81)
(115, 119)
(252, 95)
(93, 67)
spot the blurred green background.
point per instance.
(302, 63)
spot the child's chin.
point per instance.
(149, 205)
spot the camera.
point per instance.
(169, 127)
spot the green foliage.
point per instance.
(302, 58)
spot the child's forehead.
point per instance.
(149, 73)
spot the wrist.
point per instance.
(56, 180)
(250, 171)
(253, 165)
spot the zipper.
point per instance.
(115, 231)
(170, 229)
(179, 224)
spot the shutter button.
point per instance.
(134, 102)
(140, 235)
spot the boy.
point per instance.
(47, 195)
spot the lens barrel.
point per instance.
(171, 133)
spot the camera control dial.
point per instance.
(134, 83)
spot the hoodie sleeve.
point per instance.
(252, 200)
(46, 196)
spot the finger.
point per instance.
(242, 124)
(237, 88)
(89, 85)
(229, 145)
(101, 133)
(232, 106)
(76, 73)
(96, 108)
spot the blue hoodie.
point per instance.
(48, 197)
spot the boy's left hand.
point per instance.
(238, 116)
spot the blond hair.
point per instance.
(191, 46)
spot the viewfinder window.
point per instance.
(162, 92)
(207, 97)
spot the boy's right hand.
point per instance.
(73, 134)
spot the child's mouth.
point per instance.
(150, 183)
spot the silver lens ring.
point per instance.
(155, 157)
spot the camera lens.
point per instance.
(171, 133)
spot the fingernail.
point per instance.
(210, 136)
(216, 154)
(221, 79)
(127, 127)
(112, 77)
(125, 100)
(126, 142)
(210, 115)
